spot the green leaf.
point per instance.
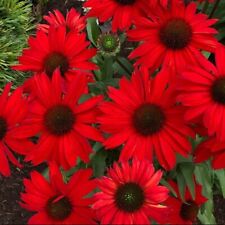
(207, 217)
(97, 146)
(181, 159)
(45, 173)
(97, 87)
(187, 170)
(93, 30)
(68, 173)
(123, 66)
(98, 163)
(220, 174)
(181, 185)
(203, 175)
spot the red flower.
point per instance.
(64, 124)
(203, 93)
(73, 21)
(211, 148)
(57, 49)
(144, 117)
(131, 194)
(184, 212)
(13, 111)
(173, 37)
(56, 202)
(122, 12)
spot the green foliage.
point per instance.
(204, 176)
(212, 181)
(93, 30)
(185, 172)
(15, 26)
(99, 163)
(218, 13)
(220, 175)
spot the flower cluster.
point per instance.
(173, 94)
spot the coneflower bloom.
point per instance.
(131, 194)
(144, 117)
(62, 122)
(57, 49)
(122, 12)
(211, 148)
(13, 111)
(56, 202)
(203, 93)
(73, 21)
(175, 35)
(184, 212)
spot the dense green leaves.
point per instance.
(15, 26)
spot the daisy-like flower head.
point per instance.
(13, 111)
(63, 122)
(203, 93)
(57, 49)
(131, 194)
(56, 202)
(211, 148)
(122, 12)
(173, 37)
(184, 212)
(73, 21)
(143, 116)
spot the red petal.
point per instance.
(4, 165)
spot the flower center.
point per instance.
(59, 120)
(59, 209)
(129, 197)
(3, 127)
(218, 90)
(54, 61)
(148, 119)
(175, 34)
(108, 44)
(189, 210)
(126, 2)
